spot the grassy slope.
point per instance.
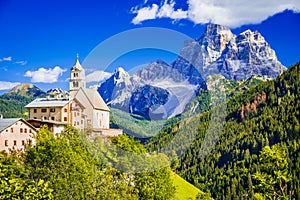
(184, 190)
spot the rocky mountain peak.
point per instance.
(216, 29)
(236, 57)
(120, 73)
(251, 37)
(57, 93)
(28, 90)
(216, 37)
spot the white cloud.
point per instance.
(155, 11)
(232, 13)
(43, 75)
(145, 13)
(21, 62)
(9, 58)
(97, 76)
(4, 85)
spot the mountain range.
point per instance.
(162, 89)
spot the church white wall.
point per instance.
(100, 119)
(77, 117)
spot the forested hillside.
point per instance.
(258, 152)
(12, 105)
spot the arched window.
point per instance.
(75, 84)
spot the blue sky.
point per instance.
(39, 40)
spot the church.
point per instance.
(84, 108)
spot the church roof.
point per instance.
(91, 96)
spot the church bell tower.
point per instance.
(77, 78)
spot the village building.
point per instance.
(16, 134)
(84, 108)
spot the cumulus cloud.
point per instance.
(5, 85)
(43, 75)
(232, 13)
(156, 11)
(146, 13)
(97, 76)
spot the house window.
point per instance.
(15, 142)
(52, 118)
(25, 130)
(65, 110)
(6, 130)
(34, 110)
(21, 130)
(23, 142)
(44, 110)
(30, 131)
(12, 130)
(6, 143)
(65, 119)
(52, 110)
(30, 142)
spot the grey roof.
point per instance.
(44, 102)
(4, 123)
